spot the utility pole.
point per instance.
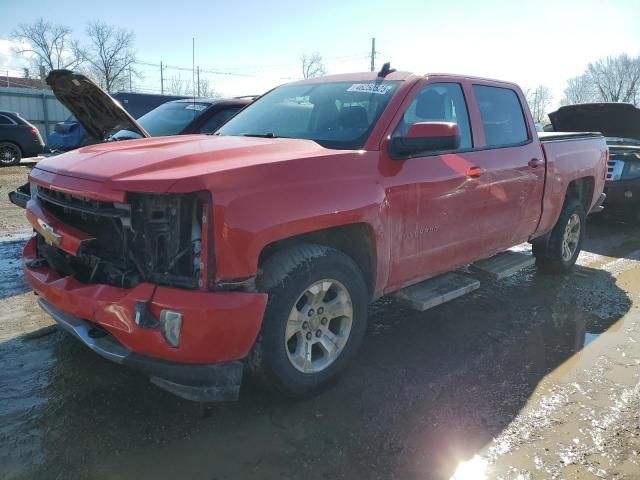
(130, 89)
(373, 54)
(198, 79)
(161, 79)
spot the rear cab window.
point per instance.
(502, 116)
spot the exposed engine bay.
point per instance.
(153, 238)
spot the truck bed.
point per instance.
(560, 136)
(570, 156)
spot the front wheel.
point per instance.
(314, 321)
(565, 242)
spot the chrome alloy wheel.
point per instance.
(319, 325)
(571, 237)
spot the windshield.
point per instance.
(168, 119)
(336, 115)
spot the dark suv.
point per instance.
(18, 139)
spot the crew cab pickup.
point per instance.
(620, 124)
(259, 247)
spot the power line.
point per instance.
(226, 72)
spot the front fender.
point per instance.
(247, 224)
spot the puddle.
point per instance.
(13, 282)
(583, 418)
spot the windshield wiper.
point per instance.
(261, 135)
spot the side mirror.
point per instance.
(425, 137)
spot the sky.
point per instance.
(255, 45)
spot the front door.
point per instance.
(436, 202)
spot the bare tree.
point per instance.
(616, 79)
(312, 65)
(178, 86)
(49, 45)
(111, 55)
(539, 100)
(579, 89)
(206, 90)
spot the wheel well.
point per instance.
(582, 189)
(355, 240)
(16, 144)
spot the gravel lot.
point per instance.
(530, 377)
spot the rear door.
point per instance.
(511, 163)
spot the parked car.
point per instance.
(18, 139)
(182, 117)
(192, 257)
(104, 119)
(70, 134)
(620, 123)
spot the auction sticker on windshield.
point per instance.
(195, 106)
(370, 88)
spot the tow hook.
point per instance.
(143, 316)
(97, 332)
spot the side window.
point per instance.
(6, 120)
(502, 116)
(438, 102)
(218, 119)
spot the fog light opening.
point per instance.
(171, 325)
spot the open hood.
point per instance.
(620, 120)
(94, 109)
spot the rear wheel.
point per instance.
(314, 321)
(10, 154)
(565, 242)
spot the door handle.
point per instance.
(474, 172)
(535, 163)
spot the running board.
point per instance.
(436, 291)
(504, 264)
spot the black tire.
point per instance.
(285, 277)
(10, 154)
(549, 257)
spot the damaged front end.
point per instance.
(155, 238)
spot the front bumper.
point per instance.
(218, 328)
(622, 192)
(203, 383)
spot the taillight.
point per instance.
(35, 131)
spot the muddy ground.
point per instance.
(530, 377)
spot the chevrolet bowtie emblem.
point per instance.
(48, 233)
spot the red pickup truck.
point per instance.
(191, 258)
